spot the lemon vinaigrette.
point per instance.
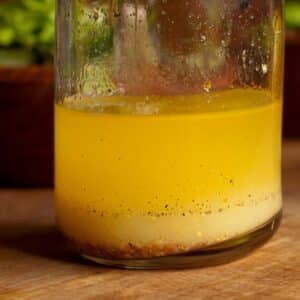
(143, 177)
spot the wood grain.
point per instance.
(35, 263)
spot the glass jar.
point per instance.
(168, 124)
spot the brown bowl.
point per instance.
(26, 126)
(292, 85)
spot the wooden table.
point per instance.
(36, 264)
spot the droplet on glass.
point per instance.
(264, 68)
(207, 85)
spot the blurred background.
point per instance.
(27, 88)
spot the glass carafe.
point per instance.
(168, 121)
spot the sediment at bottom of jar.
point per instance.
(157, 250)
(133, 251)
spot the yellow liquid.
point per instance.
(167, 174)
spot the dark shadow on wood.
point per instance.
(45, 242)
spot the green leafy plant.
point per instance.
(92, 30)
(293, 13)
(27, 31)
